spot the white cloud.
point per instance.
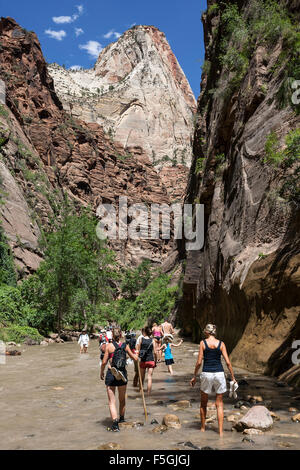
(68, 19)
(93, 48)
(62, 19)
(111, 33)
(78, 31)
(75, 67)
(58, 35)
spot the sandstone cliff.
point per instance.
(138, 92)
(246, 278)
(46, 151)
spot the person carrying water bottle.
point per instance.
(212, 375)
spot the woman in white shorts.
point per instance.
(212, 377)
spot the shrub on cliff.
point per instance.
(19, 334)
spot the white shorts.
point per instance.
(213, 380)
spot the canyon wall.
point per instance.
(139, 94)
(246, 278)
(46, 152)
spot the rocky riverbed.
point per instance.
(52, 398)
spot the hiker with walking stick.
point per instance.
(146, 350)
(116, 376)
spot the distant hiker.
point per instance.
(157, 335)
(146, 350)
(169, 360)
(212, 376)
(83, 341)
(167, 330)
(116, 376)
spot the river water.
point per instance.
(52, 398)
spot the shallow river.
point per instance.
(52, 398)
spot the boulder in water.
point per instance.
(160, 429)
(258, 417)
(171, 421)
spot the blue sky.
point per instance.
(72, 32)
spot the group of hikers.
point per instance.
(146, 352)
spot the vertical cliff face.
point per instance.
(246, 172)
(138, 92)
(45, 151)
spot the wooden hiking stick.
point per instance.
(142, 390)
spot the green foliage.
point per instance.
(206, 67)
(3, 111)
(213, 9)
(18, 334)
(134, 280)
(155, 302)
(200, 164)
(262, 256)
(75, 259)
(220, 158)
(266, 22)
(7, 270)
(286, 157)
(271, 148)
(290, 190)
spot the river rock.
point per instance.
(284, 444)
(253, 432)
(232, 418)
(248, 439)
(180, 405)
(160, 429)
(11, 343)
(296, 418)
(275, 417)
(258, 417)
(293, 410)
(130, 424)
(44, 343)
(31, 342)
(53, 336)
(110, 446)
(171, 421)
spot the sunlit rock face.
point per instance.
(138, 92)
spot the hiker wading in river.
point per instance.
(212, 375)
(116, 377)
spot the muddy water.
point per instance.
(51, 398)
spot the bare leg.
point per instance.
(122, 399)
(170, 369)
(150, 374)
(203, 406)
(220, 412)
(136, 375)
(112, 402)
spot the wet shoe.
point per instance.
(115, 426)
(122, 419)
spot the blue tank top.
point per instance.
(168, 352)
(212, 359)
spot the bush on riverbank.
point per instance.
(19, 334)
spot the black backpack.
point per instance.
(119, 357)
(144, 352)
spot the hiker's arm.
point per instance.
(227, 360)
(198, 364)
(104, 362)
(130, 353)
(154, 350)
(161, 347)
(176, 345)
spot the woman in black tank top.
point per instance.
(212, 377)
(147, 353)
